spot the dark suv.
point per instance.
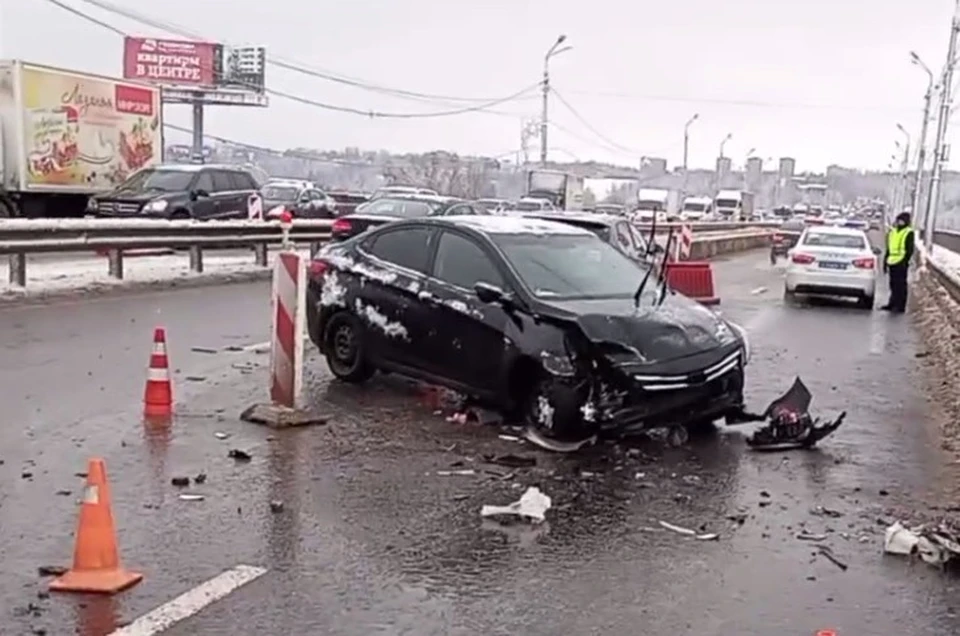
(179, 191)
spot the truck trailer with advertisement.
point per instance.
(563, 190)
(734, 205)
(66, 135)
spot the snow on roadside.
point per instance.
(90, 273)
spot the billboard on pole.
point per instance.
(183, 64)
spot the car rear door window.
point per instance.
(463, 263)
(406, 247)
(222, 181)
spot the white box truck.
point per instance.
(653, 204)
(65, 135)
(733, 205)
(696, 209)
(563, 190)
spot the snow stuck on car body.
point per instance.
(375, 318)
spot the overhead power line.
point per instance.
(590, 127)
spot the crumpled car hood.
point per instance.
(676, 329)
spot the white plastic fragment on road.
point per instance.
(461, 473)
(189, 497)
(898, 540)
(677, 529)
(532, 505)
(375, 318)
(191, 602)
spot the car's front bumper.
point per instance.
(662, 400)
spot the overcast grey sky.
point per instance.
(822, 81)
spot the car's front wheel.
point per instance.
(555, 410)
(345, 349)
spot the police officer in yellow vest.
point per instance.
(900, 245)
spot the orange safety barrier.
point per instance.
(693, 279)
(158, 394)
(96, 559)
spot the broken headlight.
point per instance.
(744, 338)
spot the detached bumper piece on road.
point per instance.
(790, 424)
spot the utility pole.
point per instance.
(922, 143)
(904, 170)
(686, 151)
(545, 87)
(933, 200)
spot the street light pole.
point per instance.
(554, 50)
(686, 149)
(933, 198)
(904, 166)
(720, 160)
(922, 143)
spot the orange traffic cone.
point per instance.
(158, 395)
(96, 560)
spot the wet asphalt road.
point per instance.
(373, 541)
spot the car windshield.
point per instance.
(568, 267)
(825, 239)
(279, 193)
(159, 181)
(406, 208)
(694, 207)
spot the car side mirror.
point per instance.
(488, 293)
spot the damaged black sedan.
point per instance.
(541, 320)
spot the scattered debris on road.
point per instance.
(276, 416)
(823, 511)
(221, 435)
(533, 436)
(789, 423)
(511, 461)
(239, 455)
(809, 536)
(204, 350)
(461, 473)
(196, 378)
(276, 506)
(200, 478)
(702, 536)
(936, 543)
(191, 497)
(52, 570)
(532, 505)
(180, 482)
(828, 554)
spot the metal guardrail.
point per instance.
(20, 237)
(947, 239)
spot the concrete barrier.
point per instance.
(706, 247)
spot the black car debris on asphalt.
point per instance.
(386, 209)
(542, 321)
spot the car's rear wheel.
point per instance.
(789, 297)
(345, 349)
(865, 302)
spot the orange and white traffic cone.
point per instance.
(96, 559)
(158, 395)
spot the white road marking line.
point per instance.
(191, 602)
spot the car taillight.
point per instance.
(318, 267)
(342, 225)
(802, 259)
(867, 262)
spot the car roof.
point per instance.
(503, 225)
(835, 229)
(560, 217)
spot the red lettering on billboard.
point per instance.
(134, 100)
(170, 62)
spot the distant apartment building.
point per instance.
(653, 167)
(722, 170)
(784, 192)
(753, 175)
